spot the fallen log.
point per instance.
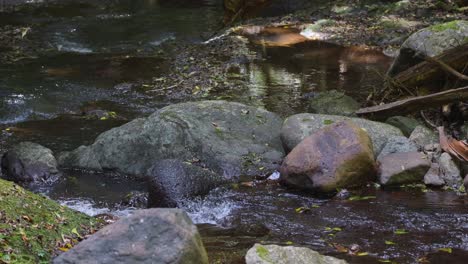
(414, 104)
(425, 73)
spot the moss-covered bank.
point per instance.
(34, 228)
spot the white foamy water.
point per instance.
(214, 209)
(90, 208)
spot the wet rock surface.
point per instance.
(264, 254)
(333, 103)
(172, 181)
(397, 145)
(431, 41)
(432, 176)
(449, 171)
(423, 136)
(148, 236)
(298, 127)
(337, 156)
(230, 138)
(29, 162)
(405, 124)
(403, 168)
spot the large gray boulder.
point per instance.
(300, 126)
(29, 162)
(231, 139)
(430, 41)
(148, 236)
(337, 156)
(173, 181)
(268, 254)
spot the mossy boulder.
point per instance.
(405, 124)
(151, 236)
(430, 41)
(34, 228)
(333, 103)
(337, 156)
(229, 138)
(29, 162)
(267, 254)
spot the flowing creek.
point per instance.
(99, 56)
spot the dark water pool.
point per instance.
(99, 55)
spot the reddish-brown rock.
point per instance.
(337, 156)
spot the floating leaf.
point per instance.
(315, 206)
(64, 249)
(448, 250)
(388, 242)
(361, 198)
(289, 243)
(327, 122)
(385, 261)
(337, 229)
(361, 254)
(400, 232)
(301, 210)
(104, 118)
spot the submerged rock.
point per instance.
(29, 162)
(430, 41)
(403, 168)
(300, 126)
(337, 156)
(333, 103)
(432, 176)
(147, 236)
(232, 139)
(267, 254)
(405, 124)
(449, 171)
(397, 145)
(423, 136)
(171, 181)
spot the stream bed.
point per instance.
(97, 56)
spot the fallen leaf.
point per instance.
(400, 232)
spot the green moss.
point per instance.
(449, 25)
(33, 228)
(219, 132)
(263, 253)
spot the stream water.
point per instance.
(97, 53)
